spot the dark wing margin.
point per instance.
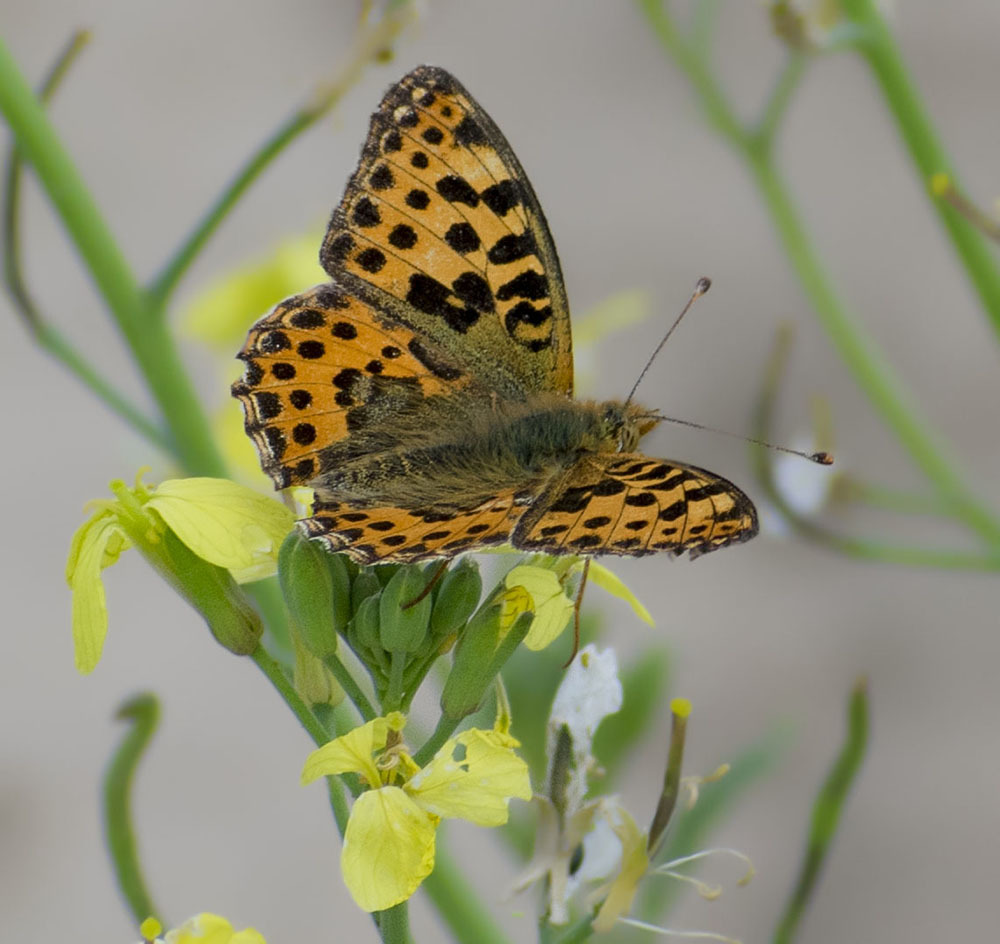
(630, 504)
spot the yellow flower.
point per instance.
(389, 843)
(221, 312)
(553, 609)
(227, 524)
(211, 929)
(545, 581)
(224, 524)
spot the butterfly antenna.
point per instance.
(704, 284)
(821, 458)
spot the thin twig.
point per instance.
(369, 44)
(44, 332)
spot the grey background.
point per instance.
(159, 111)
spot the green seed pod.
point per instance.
(307, 586)
(385, 572)
(404, 628)
(488, 641)
(456, 599)
(362, 587)
(340, 577)
(363, 633)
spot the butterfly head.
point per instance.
(624, 424)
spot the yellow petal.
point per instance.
(220, 314)
(227, 524)
(95, 546)
(477, 786)
(352, 752)
(611, 315)
(634, 864)
(209, 928)
(611, 583)
(388, 848)
(553, 608)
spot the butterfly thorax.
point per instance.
(461, 456)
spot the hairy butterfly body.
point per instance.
(426, 392)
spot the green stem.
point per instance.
(853, 547)
(394, 924)
(393, 697)
(671, 780)
(870, 370)
(580, 930)
(143, 712)
(826, 813)
(457, 902)
(148, 339)
(368, 45)
(44, 333)
(307, 719)
(926, 151)
(444, 730)
(889, 499)
(778, 101)
(350, 686)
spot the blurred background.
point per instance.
(167, 102)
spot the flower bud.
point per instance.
(307, 586)
(363, 586)
(385, 572)
(342, 571)
(404, 627)
(363, 634)
(488, 641)
(457, 599)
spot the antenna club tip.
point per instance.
(704, 284)
(823, 458)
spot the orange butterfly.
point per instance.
(426, 392)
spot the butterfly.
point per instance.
(426, 392)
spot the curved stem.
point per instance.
(368, 45)
(871, 371)
(780, 98)
(148, 339)
(457, 902)
(883, 56)
(307, 719)
(853, 547)
(444, 730)
(350, 686)
(869, 368)
(827, 808)
(394, 924)
(45, 334)
(143, 713)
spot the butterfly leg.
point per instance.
(438, 574)
(576, 613)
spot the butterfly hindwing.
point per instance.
(398, 535)
(323, 368)
(627, 503)
(440, 228)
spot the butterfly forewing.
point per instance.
(633, 505)
(440, 228)
(323, 368)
